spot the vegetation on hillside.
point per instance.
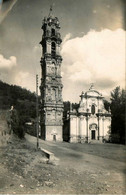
(12, 95)
(24, 103)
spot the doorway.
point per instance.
(54, 137)
(93, 134)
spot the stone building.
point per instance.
(91, 122)
(51, 86)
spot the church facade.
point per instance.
(91, 122)
(51, 119)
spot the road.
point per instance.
(81, 168)
(108, 157)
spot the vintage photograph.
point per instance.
(62, 97)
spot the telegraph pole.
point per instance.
(37, 120)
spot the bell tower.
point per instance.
(51, 85)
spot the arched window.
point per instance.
(53, 49)
(44, 47)
(53, 32)
(92, 109)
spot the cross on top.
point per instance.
(51, 9)
(92, 86)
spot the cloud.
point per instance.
(20, 78)
(25, 79)
(36, 48)
(10, 73)
(94, 11)
(7, 64)
(97, 57)
(67, 37)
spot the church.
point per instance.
(91, 121)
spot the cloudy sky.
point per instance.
(93, 47)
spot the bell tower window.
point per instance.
(93, 109)
(44, 47)
(53, 32)
(53, 49)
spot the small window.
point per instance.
(93, 109)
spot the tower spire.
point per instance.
(51, 11)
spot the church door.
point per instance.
(93, 134)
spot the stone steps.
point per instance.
(96, 141)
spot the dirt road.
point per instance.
(81, 169)
(79, 156)
(104, 163)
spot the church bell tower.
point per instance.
(51, 86)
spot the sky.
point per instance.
(93, 43)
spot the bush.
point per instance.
(21, 131)
(115, 138)
(16, 124)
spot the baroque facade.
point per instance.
(51, 86)
(91, 122)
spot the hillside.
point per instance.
(24, 103)
(12, 94)
(22, 100)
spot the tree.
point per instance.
(107, 105)
(66, 109)
(118, 100)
